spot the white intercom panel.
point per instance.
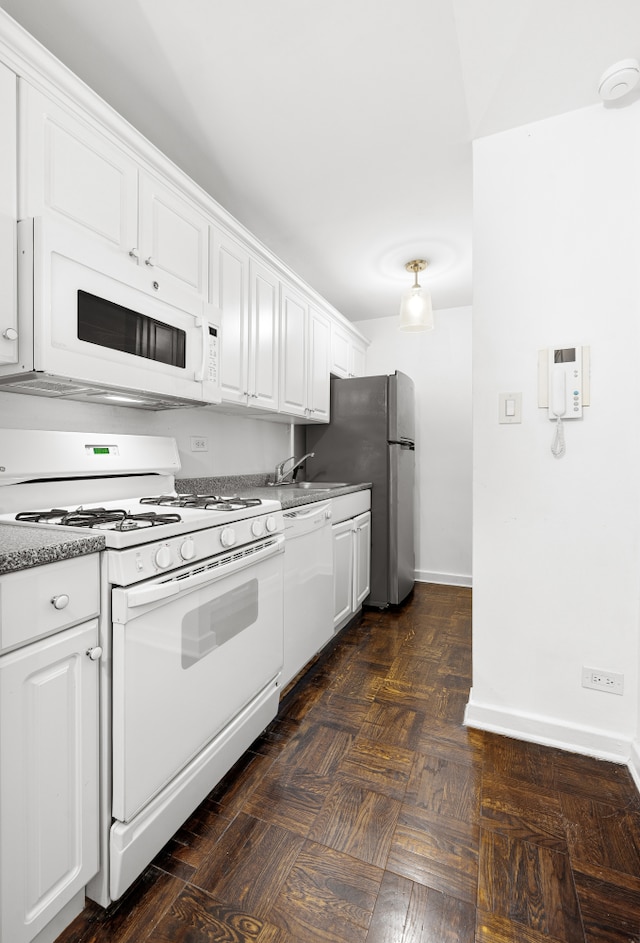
(563, 381)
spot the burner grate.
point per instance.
(205, 502)
(106, 518)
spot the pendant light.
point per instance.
(416, 313)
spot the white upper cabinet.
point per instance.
(305, 344)
(173, 236)
(247, 293)
(347, 352)
(318, 388)
(229, 291)
(294, 316)
(264, 290)
(70, 168)
(8, 185)
(357, 358)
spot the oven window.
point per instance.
(110, 325)
(212, 624)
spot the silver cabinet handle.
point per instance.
(134, 253)
(149, 261)
(94, 653)
(11, 334)
(60, 602)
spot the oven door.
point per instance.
(99, 319)
(190, 650)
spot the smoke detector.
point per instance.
(619, 79)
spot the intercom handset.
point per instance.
(565, 383)
(563, 387)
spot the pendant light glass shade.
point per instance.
(416, 313)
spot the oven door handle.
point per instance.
(146, 594)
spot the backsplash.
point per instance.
(222, 485)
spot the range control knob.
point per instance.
(271, 523)
(163, 557)
(228, 537)
(188, 549)
(257, 528)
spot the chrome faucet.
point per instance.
(283, 477)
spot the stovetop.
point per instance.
(128, 522)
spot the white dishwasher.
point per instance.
(308, 584)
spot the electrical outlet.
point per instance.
(600, 680)
(199, 443)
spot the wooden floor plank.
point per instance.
(529, 884)
(358, 822)
(328, 897)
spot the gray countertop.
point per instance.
(22, 546)
(293, 497)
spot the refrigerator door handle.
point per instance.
(403, 443)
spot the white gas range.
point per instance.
(191, 626)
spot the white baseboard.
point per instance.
(446, 579)
(548, 732)
(634, 762)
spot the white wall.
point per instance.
(440, 365)
(556, 541)
(237, 445)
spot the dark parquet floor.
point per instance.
(367, 813)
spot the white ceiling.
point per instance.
(339, 131)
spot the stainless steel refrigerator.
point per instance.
(371, 438)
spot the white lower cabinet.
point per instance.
(48, 746)
(48, 779)
(351, 566)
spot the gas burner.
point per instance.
(205, 502)
(98, 518)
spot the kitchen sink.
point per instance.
(319, 485)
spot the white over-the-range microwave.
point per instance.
(98, 329)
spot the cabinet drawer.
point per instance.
(27, 610)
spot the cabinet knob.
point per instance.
(149, 261)
(134, 253)
(94, 653)
(60, 602)
(11, 334)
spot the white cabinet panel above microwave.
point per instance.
(173, 235)
(69, 168)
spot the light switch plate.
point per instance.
(509, 407)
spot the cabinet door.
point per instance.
(8, 211)
(342, 573)
(48, 778)
(357, 361)
(319, 354)
(230, 292)
(361, 558)
(173, 236)
(340, 351)
(264, 337)
(293, 353)
(69, 168)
